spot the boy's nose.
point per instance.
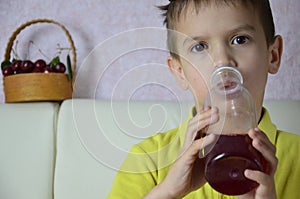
(223, 56)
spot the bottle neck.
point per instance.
(226, 79)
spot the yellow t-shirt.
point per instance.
(148, 163)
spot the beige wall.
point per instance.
(128, 60)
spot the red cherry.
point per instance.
(47, 70)
(16, 65)
(7, 71)
(37, 70)
(59, 67)
(27, 66)
(39, 64)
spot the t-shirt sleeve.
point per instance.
(287, 176)
(136, 177)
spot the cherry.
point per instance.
(59, 67)
(47, 70)
(27, 66)
(16, 65)
(37, 70)
(39, 65)
(7, 71)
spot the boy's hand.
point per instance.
(187, 172)
(266, 188)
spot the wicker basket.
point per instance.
(33, 87)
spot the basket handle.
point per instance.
(24, 25)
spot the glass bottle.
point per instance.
(227, 159)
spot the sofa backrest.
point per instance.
(285, 114)
(27, 150)
(94, 136)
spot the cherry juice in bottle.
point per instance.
(227, 161)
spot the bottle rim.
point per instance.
(231, 68)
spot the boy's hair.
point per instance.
(176, 8)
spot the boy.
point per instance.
(208, 34)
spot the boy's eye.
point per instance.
(199, 47)
(240, 40)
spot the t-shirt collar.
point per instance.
(267, 126)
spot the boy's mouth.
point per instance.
(227, 85)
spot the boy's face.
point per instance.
(223, 35)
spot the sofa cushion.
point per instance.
(27, 150)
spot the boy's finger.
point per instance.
(198, 145)
(258, 176)
(261, 139)
(204, 115)
(266, 148)
(199, 122)
(204, 119)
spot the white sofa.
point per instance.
(73, 150)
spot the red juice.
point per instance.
(226, 162)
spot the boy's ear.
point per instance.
(275, 52)
(177, 72)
